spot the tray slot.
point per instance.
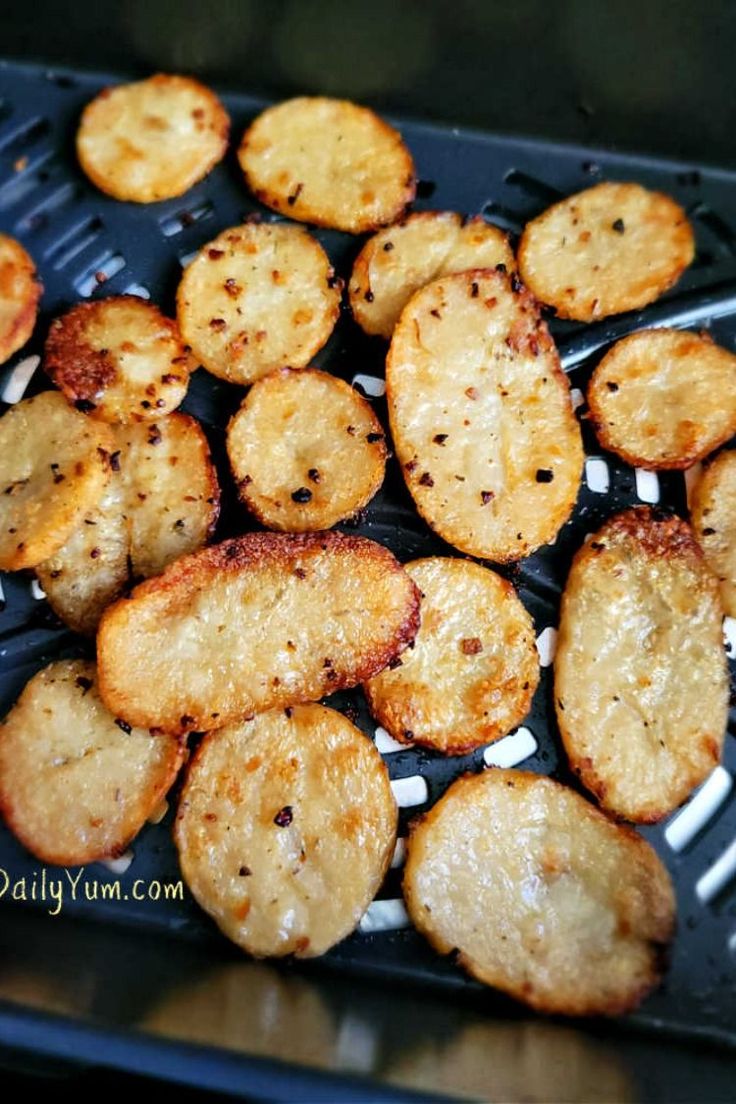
(700, 810)
(512, 749)
(73, 242)
(99, 272)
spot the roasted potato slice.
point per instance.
(54, 466)
(306, 450)
(152, 139)
(481, 416)
(473, 670)
(329, 162)
(76, 785)
(286, 828)
(713, 512)
(611, 248)
(664, 398)
(254, 623)
(161, 503)
(20, 291)
(641, 680)
(259, 297)
(540, 893)
(118, 359)
(401, 259)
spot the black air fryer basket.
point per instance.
(148, 985)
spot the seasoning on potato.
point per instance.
(254, 623)
(54, 467)
(328, 162)
(481, 416)
(399, 260)
(286, 828)
(306, 450)
(20, 291)
(259, 297)
(664, 398)
(77, 783)
(540, 894)
(473, 670)
(153, 139)
(713, 512)
(118, 359)
(608, 249)
(641, 679)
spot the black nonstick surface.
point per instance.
(78, 237)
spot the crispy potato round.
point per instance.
(285, 830)
(401, 259)
(306, 450)
(259, 297)
(54, 466)
(481, 416)
(161, 503)
(328, 162)
(76, 785)
(473, 670)
(540, 893)
(254, 623)
(611, 248)
(20, 291)
(664, 398)
(713, 513)
(153, 139)
(641, 679)
(118, 359)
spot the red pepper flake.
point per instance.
(372, 438)
(597, 546)
(288, 711)
(500, 268)
(169, 378)
(395, 662)
(84, 684)
(94, 554)
(210, 816)
(146, 404)
(300, 573)
(411, 466)
(53, 574)
(217, 324)
(351, 431)
(408, 734)
(544, 475)
(471, 392)
(215, 254)
(186, 721)
(618, 226)
(486, 497)
(435, 313)
(245, 872)
(314, 475)
(474, 290)
(123, 725)
(232, 288)
(611, 385)
(58, 477)
(439, 438)
(284, 817)
(471, 645)
(426, 480)
(154, 435)
(301, 495)
(327, 662)
(100, 277)
(388, 246)
(516, 284)
(708, 532)
(291, 200)
(369, 296)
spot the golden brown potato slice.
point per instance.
(259, 297)
(481, 416)
(664, 398)
(152, 139)
(118, 359)
(286, 828)
(611, 248)
(473, 670)
(306, 450)
(76, 785)
(401, 259)
(541, 894)
(54, 466)
(254, 623)
(641, 680)
(713, 512)
(329, 162)
(20, 291)
(161, 503)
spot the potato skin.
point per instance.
(542, 895)
(20, 291)
(713, 512)
(641, 679)
(268, 608)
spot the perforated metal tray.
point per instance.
(87, 246)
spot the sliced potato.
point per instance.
(161, 503)
(76, 785)
(713, 512)
(664, 398)
(286, 828)
(611, 248)
(20, 291)
(541, 894)
(254, 623)
(641, 680)
(481, 416)
(259, 297)
(329, 162)
(152, 139)
(118, 359)
(54, 466)
(306, 450)
(473, 670)
(401, 259)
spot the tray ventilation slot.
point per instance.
(382, 916)
(74, 242)
(410, 791)
(18, 379)
(511, 750)
(699, 811)
(173, 224)
(39, 215)
(718, 876)
(532, 186)
(103, 269)
(27, 134)
(597, 475)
